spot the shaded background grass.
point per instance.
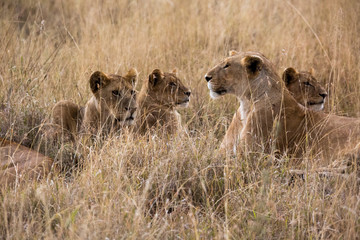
(179, 187)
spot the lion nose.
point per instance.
(323, 95)
(208, 78)
(188, 93)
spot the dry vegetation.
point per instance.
(156, 188)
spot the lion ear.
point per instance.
(289, 75)
(131, 76)
(253, 65)
(312, 71)
(98, 80)
(233, 53)
(155, 76)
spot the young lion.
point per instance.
(157, 101)
(275, 120)
(112, 106)
(17, 161)
(305, 88)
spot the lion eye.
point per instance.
(307, 84)
(226, 65)
(132, 92)
(172, 84)
(116, 93)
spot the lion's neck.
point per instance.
(244, 108)
(266, 83)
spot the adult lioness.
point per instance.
(17, 162)
(112, 105)
(275, 120)
(157, 100)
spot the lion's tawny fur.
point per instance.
(302, 86)
(276, 121)
(19, 162)
(157, 101)
(112, 106)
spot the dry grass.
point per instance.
(156, 188)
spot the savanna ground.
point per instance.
(178, 187)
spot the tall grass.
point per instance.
(179, 187)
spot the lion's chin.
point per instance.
(130, 120)
(316, 107)
(183, 105)
(127, 122)
(218, 93)
(214, 95)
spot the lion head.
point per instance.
(239, 74)
(167, 89)
(305, 88)
(115, 96)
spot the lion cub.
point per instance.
(112, 106)
(305, 88)
(158, 98)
